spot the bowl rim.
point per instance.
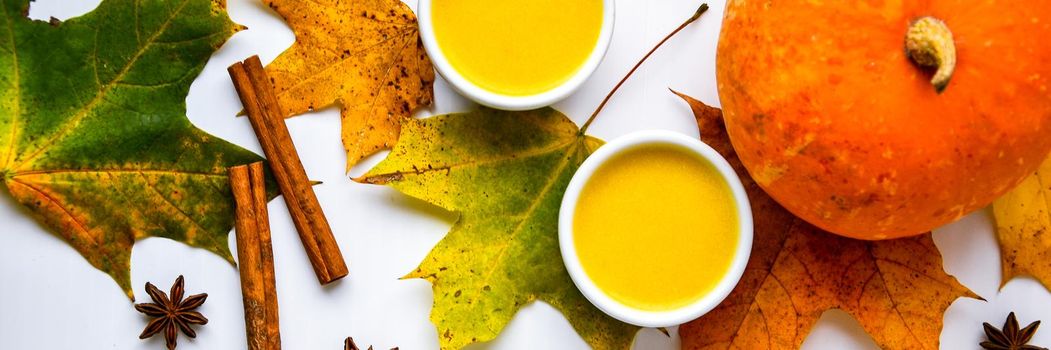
(616, 309)
(509, 102)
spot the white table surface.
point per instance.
(51, 298)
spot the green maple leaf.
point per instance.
(93, 134)
(505, 172)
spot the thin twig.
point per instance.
(700, 11)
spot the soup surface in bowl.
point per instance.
(656, 227)
(517, 47)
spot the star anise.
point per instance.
(1010, 337)
(171, 315)
(349, 345)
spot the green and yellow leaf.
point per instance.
(505, 173)
(93, 134)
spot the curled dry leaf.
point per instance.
(505, 173)
(1023, 226)
(364, 54)
(896, 289)
(94, 138)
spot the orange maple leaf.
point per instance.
(896, 289)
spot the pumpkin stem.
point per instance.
(929, 43)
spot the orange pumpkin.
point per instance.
(866, 134)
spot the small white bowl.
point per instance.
(600, 299)
(506, 102)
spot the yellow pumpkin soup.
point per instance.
(517, 47)
(656, 227)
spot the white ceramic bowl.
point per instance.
(506, 102)
(615, 308)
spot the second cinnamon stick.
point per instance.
(255, 257)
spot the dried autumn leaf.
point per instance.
(505, 172)
(1023, 225)
(365, 55)
(93, 134)
(896, 289)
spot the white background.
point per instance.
(51, 298)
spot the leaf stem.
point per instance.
(696, 15)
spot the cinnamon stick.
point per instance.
(256, 257)
(267, 119)
(266, 254)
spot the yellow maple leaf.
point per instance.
(364, 54)
(1023, 226)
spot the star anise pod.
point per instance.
(170, 315)
(349, 345)
(1010, 337)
